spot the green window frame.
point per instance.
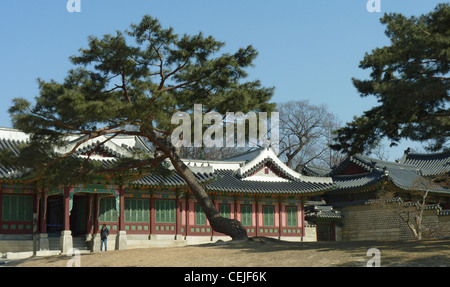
(137, 210)
(224, 210)
(17, 207)
(246, 213)
(200, 216)
(164, 211)
(291, 216)
(108, 211)
(269, 215)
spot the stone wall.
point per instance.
(310, 232)
(364, 222)
(444, 225)
(370, 222)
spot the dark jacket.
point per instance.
(104, 233)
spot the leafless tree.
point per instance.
(380, 152)
(305, 134)
(410, 212)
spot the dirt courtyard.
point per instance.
(264, 252)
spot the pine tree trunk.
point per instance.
(230, 227)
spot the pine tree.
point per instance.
(122, 88)
(410, 79)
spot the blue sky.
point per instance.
(308, 49)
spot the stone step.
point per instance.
(79, 243)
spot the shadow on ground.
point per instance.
(424, 253)
(265, 252)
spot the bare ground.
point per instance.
(264, 252)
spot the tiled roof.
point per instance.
(173, 180)
(367, 166)
(428, 164)
(348, 182)
(228, 182)
(12, 142)
(317, 213)
(445, 212)
(404, 176)
(398, 200)
(246, 156)
(315, 171)
(9, 173)
(121, 146)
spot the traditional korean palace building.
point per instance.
(358, 181)
(256, 188)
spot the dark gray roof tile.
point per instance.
(347, 182)
(429, 164)
(228, 182)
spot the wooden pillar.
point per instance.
(66, 204)
(302, 210)
(152, 212)
(121, 210)
(95, 213)
(89, 215)
(35, 206)
(216, 205)
(257, 216)
(42, 213)
(177, 214)
(65, 241)
(235, 208)
(280, 218)
(187, 214)
(121, 238)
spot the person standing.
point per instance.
(104, 236)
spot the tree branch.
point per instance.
(93, 135)
(153, 162)
(124, 87)
(181, 85)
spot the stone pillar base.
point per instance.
(121, 240)
(43, 242)
(65, 241)
(96, 242)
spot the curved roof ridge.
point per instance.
(267, 154)
(418, 154)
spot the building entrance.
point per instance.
(55, 214)
(78, 215)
